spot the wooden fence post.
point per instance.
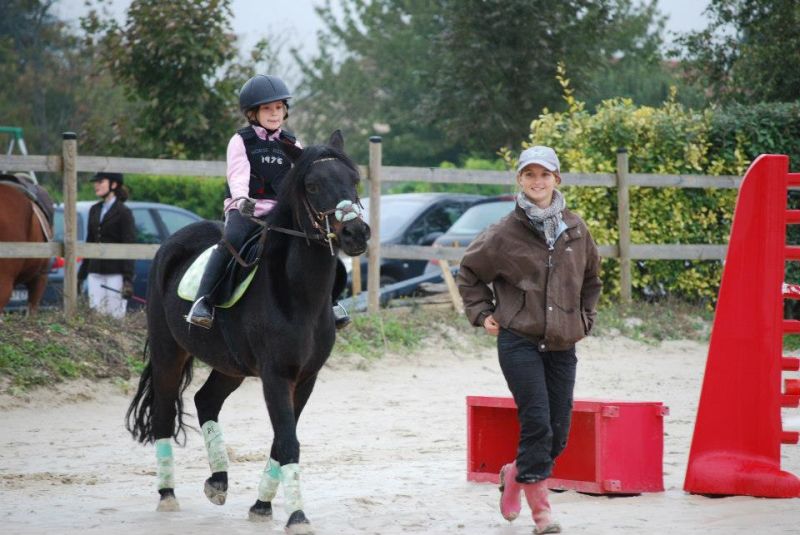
(624, 222)
(69, 160)
(374, 263)
(356, 276)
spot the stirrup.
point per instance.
(205, 324)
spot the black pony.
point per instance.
(282, 329)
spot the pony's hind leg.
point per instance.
(6, 287)
(170, 378)
(209, 400)
(157, 403)
(36, 289)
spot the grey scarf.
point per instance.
(546, 220)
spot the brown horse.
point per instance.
(19, 223)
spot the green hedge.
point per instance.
(201, 195)
(767, 128)
(669, 139)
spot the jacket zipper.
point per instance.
(547, 306)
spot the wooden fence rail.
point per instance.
(434, 175)
(69, 164)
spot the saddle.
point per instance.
(42, 203)
(235, 279)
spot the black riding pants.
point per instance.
(237, 230)
(542, 384)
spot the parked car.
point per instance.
(471, 223)
(413, 219)
(154, 223)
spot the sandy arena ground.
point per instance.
(383, 452)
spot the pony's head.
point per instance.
(322, 191)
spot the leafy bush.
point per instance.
(669, 139)
(200, 195)
(765, 128)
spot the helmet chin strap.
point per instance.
(106, 194)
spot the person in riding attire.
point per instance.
(256, 164)
(532, 280)
(110, 282)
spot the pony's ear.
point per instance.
(292, 151)
(337, 141)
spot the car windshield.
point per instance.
(58, 226)
(480, 216)
(395, 214)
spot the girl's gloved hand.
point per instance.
(247, 207)
(127, 290)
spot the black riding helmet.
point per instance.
(112, 177)
(263, 89)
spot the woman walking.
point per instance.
(533, 281)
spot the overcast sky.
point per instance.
(254, 19)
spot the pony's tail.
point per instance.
(139, 418)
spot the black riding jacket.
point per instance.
(117, 226)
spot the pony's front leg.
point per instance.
(283, 465)
(208, 401)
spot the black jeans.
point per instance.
(237, 229)
(542, 384)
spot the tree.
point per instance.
(449, 77)
(40, 63)
(168, 57)
(750, 51)
(633, 63)
(500, 59)
(373, 68)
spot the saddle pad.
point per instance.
(190, 282)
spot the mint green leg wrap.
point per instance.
(270, 479)
(165, 465)
(215, 446)
(290, 476)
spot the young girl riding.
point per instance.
(257, 162)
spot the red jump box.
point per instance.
(614, 447)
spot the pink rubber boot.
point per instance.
(536, 495)
(509, 492)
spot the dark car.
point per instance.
(474, 221)
(413, 219)
(154, 223)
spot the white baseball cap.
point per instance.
(544, 156)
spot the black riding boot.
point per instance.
(202, 312)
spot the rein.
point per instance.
(345, 210)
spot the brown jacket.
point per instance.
(546, 296)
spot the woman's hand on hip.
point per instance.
(491, 326)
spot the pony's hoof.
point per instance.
(260, 512)
(298, 524)
(215, 492)
(168, 504)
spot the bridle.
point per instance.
(345, 210)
